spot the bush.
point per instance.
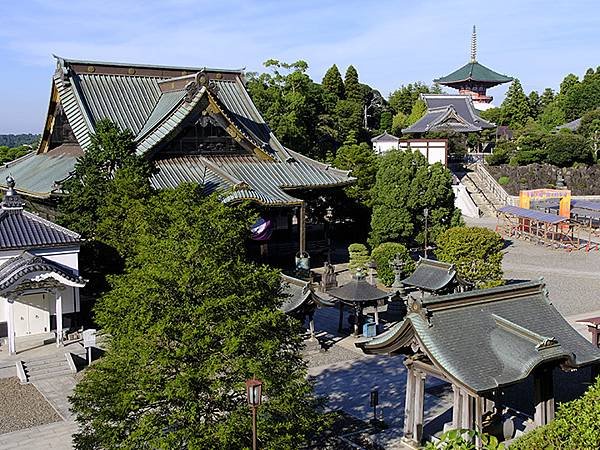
(577, 426)
(384, 253)
(503, 180)
(566, 148)
(359, 257)
(461, 439)
(476, 252)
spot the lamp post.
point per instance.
(328, 220)
(254, 396)
(426, 215)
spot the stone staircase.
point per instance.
(486, 200)
(48, 367)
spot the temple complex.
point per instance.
(474, 79)
(196, 125)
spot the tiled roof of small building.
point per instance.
(488, 338)
(454, 112)
(431, 275)
(12, 270)
(20, 229)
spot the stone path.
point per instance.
(52, 436)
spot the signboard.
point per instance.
(89, 338)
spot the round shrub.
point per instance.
(503, 180)
(384, 253)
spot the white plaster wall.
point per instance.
(383, 147)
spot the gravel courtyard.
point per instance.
(23, 406)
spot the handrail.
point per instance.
(494, 187)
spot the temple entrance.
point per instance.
(31, 315)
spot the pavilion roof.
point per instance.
(473, 71)
(454, 112)
(358, 289)
(430, 275)
(488, 338)
(14, 269)
(299, 294)
(155, 103)
(385, 137)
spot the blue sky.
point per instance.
(389, 42)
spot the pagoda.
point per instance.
(474, 79)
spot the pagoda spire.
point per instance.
(474, 45)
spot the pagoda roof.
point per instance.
(454, 112)
(299, 295)
(156, 103)
(487, 338)
(473, 71)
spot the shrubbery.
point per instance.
(476, 252)
(359, 257)
(384, 253)
(576, 426)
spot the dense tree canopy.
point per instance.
(12, 153)
(189, 321)
(403, 98)
(405, 185)
(360, 159)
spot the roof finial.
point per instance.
(12, 200)
(474, 45)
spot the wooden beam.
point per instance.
(302, 227)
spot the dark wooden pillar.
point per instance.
(341, 321)
(543, 385)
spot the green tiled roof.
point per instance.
(489, 338)
(473, 71)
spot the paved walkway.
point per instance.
(52, 436)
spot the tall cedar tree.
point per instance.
(332, 83)
(110, 171)
(515, 106)
(352, 87)
(404, 186)
(360, 159)
(189, 321)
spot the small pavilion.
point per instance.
(301, 302)
(362, 297)
(435, 278)
(39, 277)
(482, 342)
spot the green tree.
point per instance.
(332, 83)
(565, 148)
(352, 87)
(515, 107)
(293, 106)
(348, 116)
(589, 128)
(576, 426)
(10, 154)
(360, 159)
(418, 110)
(405, 185)
(476, 252)
(552, 116)
(546, 98)
(535, 104)
(399, 122)
(188, 322)
(493, 115)
(359, 257)
(386, 252)
(386, 122)
(403, 98)
(111, 150)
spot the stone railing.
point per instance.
(494, 187)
